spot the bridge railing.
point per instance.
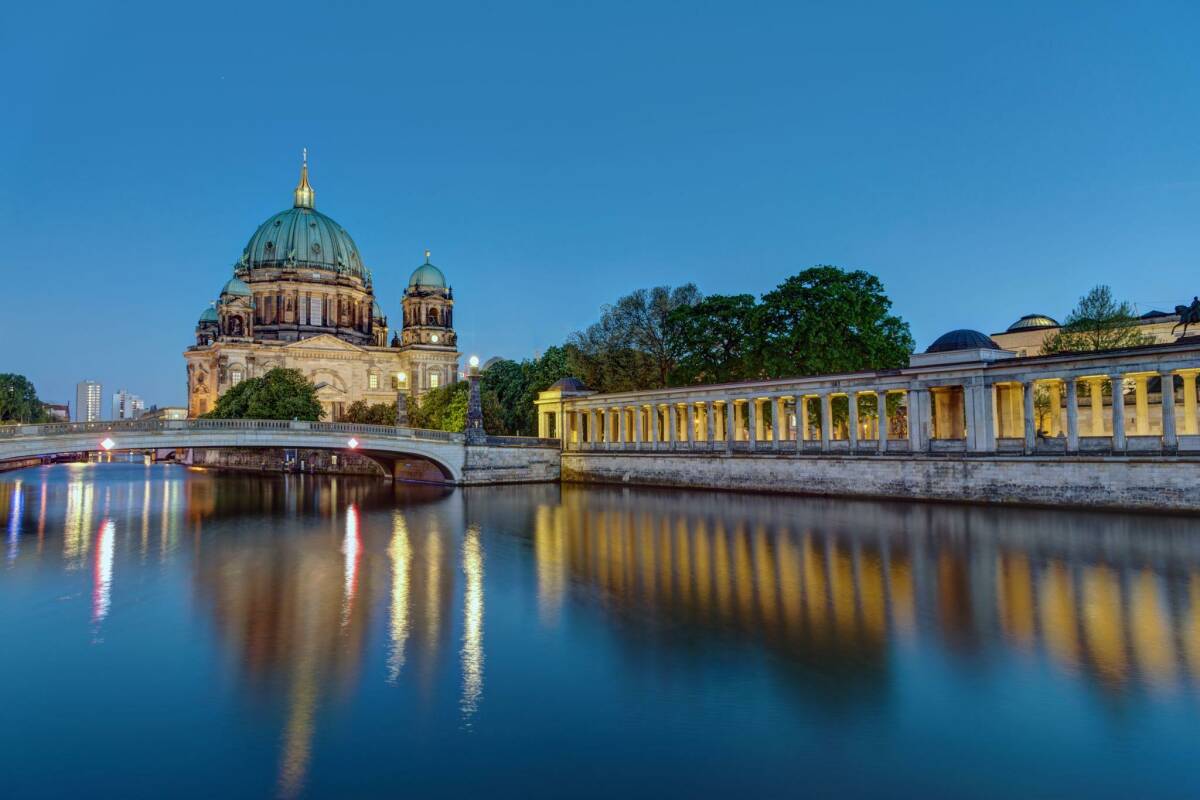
(522, 441)
(150, 425)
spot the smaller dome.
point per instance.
(376, 311)
(428, 276)
(1032, 322)
(962, 339)
(236, 287)
(568, 385)
(209, 315)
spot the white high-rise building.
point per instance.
(126, 405)
(88, 402)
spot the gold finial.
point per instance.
(305, 196)
(426, 256)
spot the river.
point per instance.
(171, 632)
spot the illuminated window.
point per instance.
(373, 380)
(235, 377)
(399, 380)
(434, 379)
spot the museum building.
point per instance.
(300, 297)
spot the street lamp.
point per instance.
(108, 444)
(353, 443)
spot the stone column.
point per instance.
(782, 427)
(1141, 394)
(1189, 403)
(1096, 394)
(709, 428)
(1169, 438)
(918, 419)
(1072, 415)
(852, 403)
(639, 423)
(1055, 390)
(673, 423)
(622, 426)
(690, 421)
(655, 434)
(1030, 424)
(802, 420)
(729, 433)
(881, 421)
(826, 422)
(1118, 412)
(752, 422)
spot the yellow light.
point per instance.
(473, 361)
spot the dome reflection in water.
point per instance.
(258, 635)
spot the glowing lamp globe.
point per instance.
(353, 443)
(473, 361)
(108, 444)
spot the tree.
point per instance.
(279, 394)
(509, 388)
(376, 414)
(1097, 323)
(441, 409)
(826, 320)
(713, 339)
(630, 346)
(19, 401)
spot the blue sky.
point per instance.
(984, 162)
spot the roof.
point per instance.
(962, 339)
(1032, 322)
(235, 287)
(568, 385)
(209, 315)
(427, 275)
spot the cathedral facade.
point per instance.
(301, 298)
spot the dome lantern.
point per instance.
(305, 197)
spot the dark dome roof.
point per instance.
(569, 385)
(962, 339)
(1033, 322)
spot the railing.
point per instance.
(152, 425)
(522, 441)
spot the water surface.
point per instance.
(170, 632)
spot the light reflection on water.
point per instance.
(332, 615)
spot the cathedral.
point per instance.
(301, 297)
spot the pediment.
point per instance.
(324, 341)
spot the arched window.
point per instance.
(434, 380)
(373, 380)
(433, 316)
(235, 376)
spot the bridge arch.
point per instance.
(383, 444)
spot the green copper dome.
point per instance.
(376, 310)
(235, 287)
(427, 276)
(303, 238)
(209, 315)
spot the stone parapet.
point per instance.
(1108, 482)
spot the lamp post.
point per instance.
(475, 432)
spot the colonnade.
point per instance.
(737, 422)
(1001, 406)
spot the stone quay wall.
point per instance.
(271, 459)
(511, 465)
(1159, 484)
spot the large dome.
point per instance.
(962, 339)
(303, 238)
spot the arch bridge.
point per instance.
(383, 444)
